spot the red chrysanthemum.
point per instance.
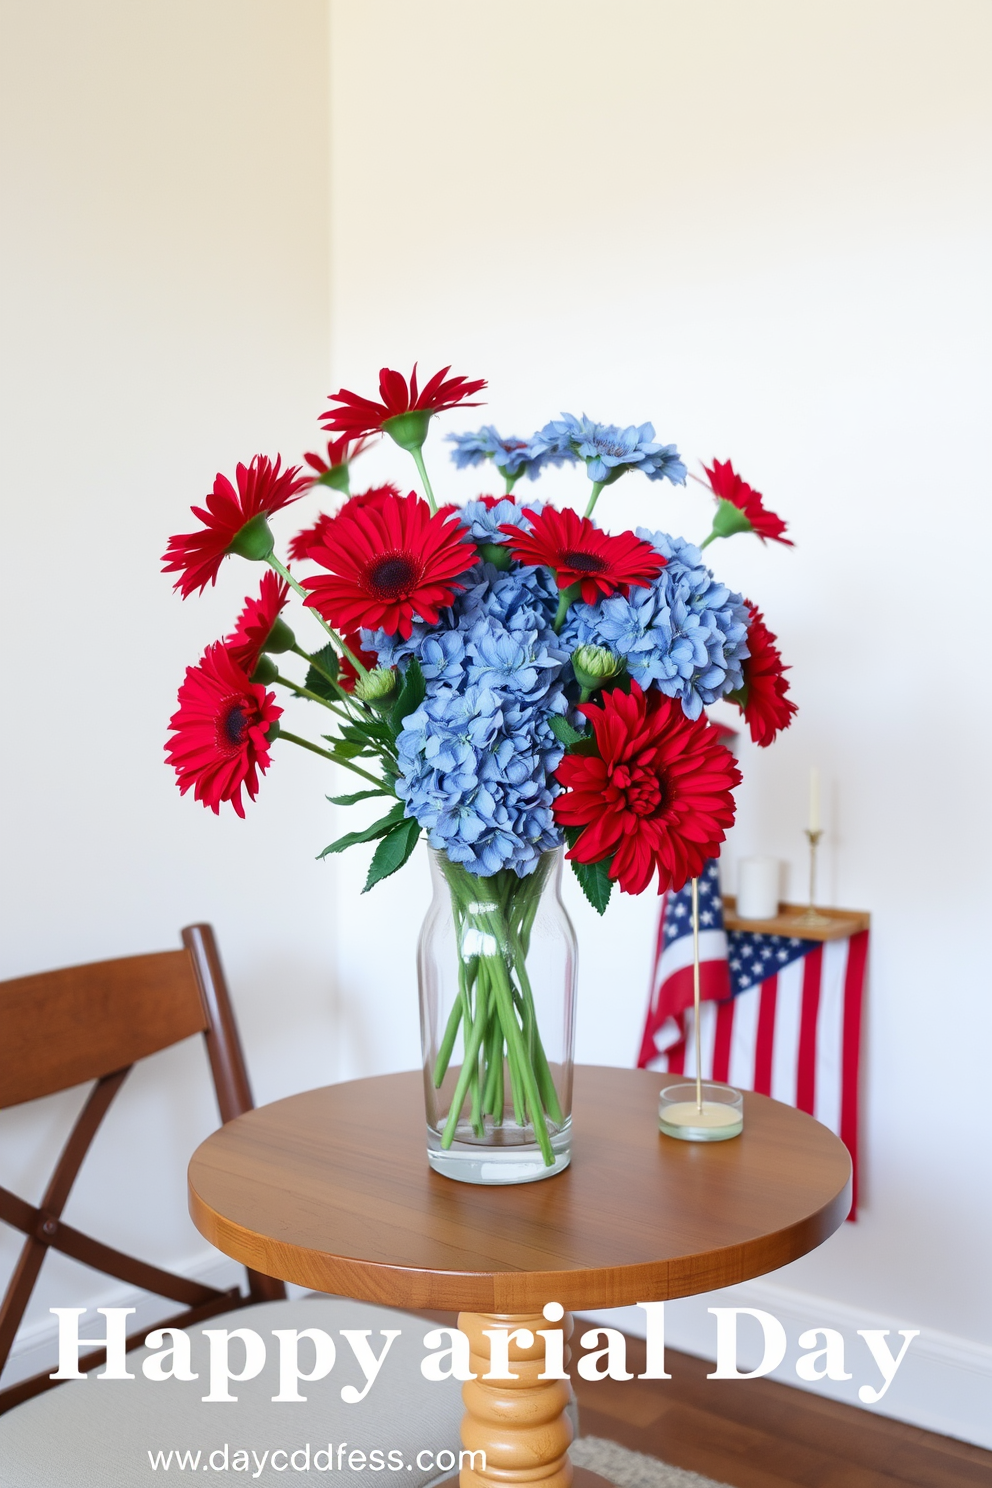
(764, 699)
(357, 415)
(233, 520)
(347, 675)
(657, 795)
(310, 537)
(221, 731)
(388, 561)
(727, 485)
(255, 623)
(580, 553)
(331, 469)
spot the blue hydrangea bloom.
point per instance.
(513, 457)
(686, 633)
(476, 758)
(609, 450)
(483, 522)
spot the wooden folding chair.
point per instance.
(62, 1028)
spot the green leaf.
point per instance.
(594, 879)
(351, 800)
(563, 730)
(345, 751)
(595, 882)
(392, 852)
(377, 829)
(327, 659)
(369, 733)
(412, 694)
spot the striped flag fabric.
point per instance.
(780, 1015)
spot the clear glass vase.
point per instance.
(497, 963)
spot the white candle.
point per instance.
(757, 888)
(713, 1113)
(814, 800)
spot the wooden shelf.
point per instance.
(835, 924)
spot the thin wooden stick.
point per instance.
(695, 992)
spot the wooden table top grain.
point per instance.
(331, 1189)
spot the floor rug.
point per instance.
(628, 1469)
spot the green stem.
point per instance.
(284, 573)
(418, 456)
(346, 697)
(447, 1043)
(305, 744)
(597, 486)
(566, 598)
(470, 1067)
(514, 1036)
(305, 692)
(326, 754)
(549, 1094)
(707, 540)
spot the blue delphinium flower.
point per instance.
(686, 633)
(512, 457)
(609, 450)
(476, 758)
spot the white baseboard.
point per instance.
(944, 1383)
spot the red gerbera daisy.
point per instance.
(405, 411)
(764, 699)
(310, 537)
(580, 553)
(740, 507)
(333, 471)
(257, 622)
(221, 731)
(657, 795)
(347, 675)
(389, 562)
(234, 521)
(300, 545)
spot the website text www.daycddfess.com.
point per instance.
(340, 1458)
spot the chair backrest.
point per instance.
(63, 1028)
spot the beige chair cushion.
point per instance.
(98, 1433)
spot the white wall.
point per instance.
(765, 227)
(165, 295)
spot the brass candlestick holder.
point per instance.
(812, 916)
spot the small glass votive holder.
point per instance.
(720, 1117)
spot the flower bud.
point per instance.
(377, 686)
(594, 666)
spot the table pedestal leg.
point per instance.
(520, 1424)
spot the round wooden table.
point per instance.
(331, 1189)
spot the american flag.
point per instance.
(780, 1015)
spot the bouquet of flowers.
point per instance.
(506, 676)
